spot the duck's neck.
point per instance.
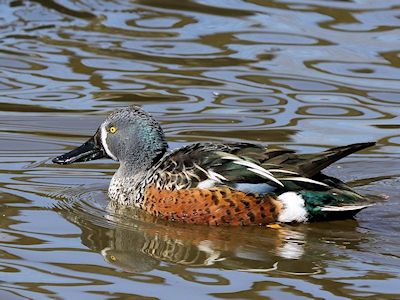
(141, 163)
(128, 183)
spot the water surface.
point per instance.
(307, 75)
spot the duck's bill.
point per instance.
(90, 150)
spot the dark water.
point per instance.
(301, 74)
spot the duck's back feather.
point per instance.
(242, 165)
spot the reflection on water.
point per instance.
(136, 242)
(301, 74)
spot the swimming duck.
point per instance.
(216, 183)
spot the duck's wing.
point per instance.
(245, 177)
(248, 167)
(206, 165)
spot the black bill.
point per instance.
(90, 150)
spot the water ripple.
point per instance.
(307, 74)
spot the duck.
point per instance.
(207, 183)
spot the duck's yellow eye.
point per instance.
(113, 129)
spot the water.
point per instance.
(301, 74)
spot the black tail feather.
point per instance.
(312, 164)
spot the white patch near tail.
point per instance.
(293, 208)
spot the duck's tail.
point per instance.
(339, 212)
(334, 204)
(312, 164)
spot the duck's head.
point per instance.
(129, 135)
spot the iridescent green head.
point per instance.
(129, 135)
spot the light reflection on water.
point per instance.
(304, 74)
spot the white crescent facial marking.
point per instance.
(104, 142)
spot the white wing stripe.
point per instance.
(303, 179)
(283, 171)
(252, 167)
(200, 168)
(215, 176)
(264, 174)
